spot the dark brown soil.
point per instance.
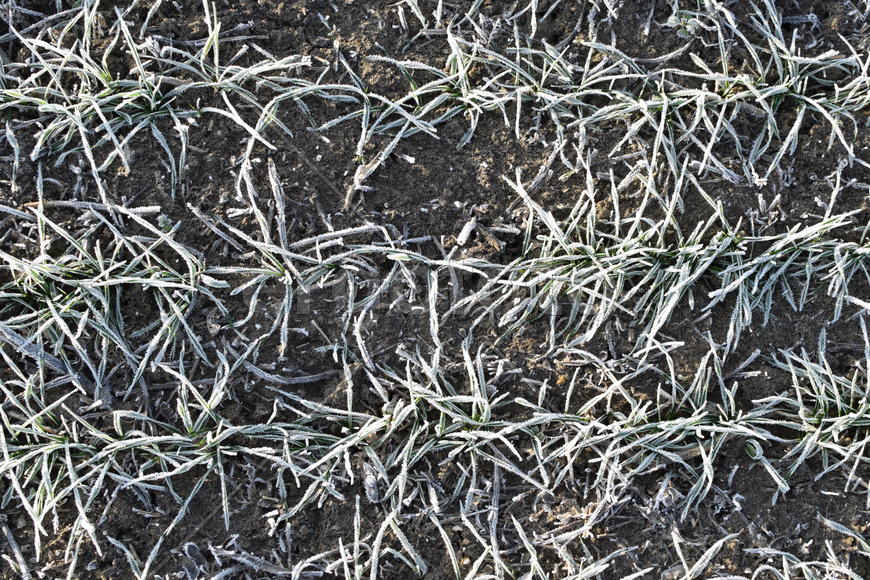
(431, 188)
